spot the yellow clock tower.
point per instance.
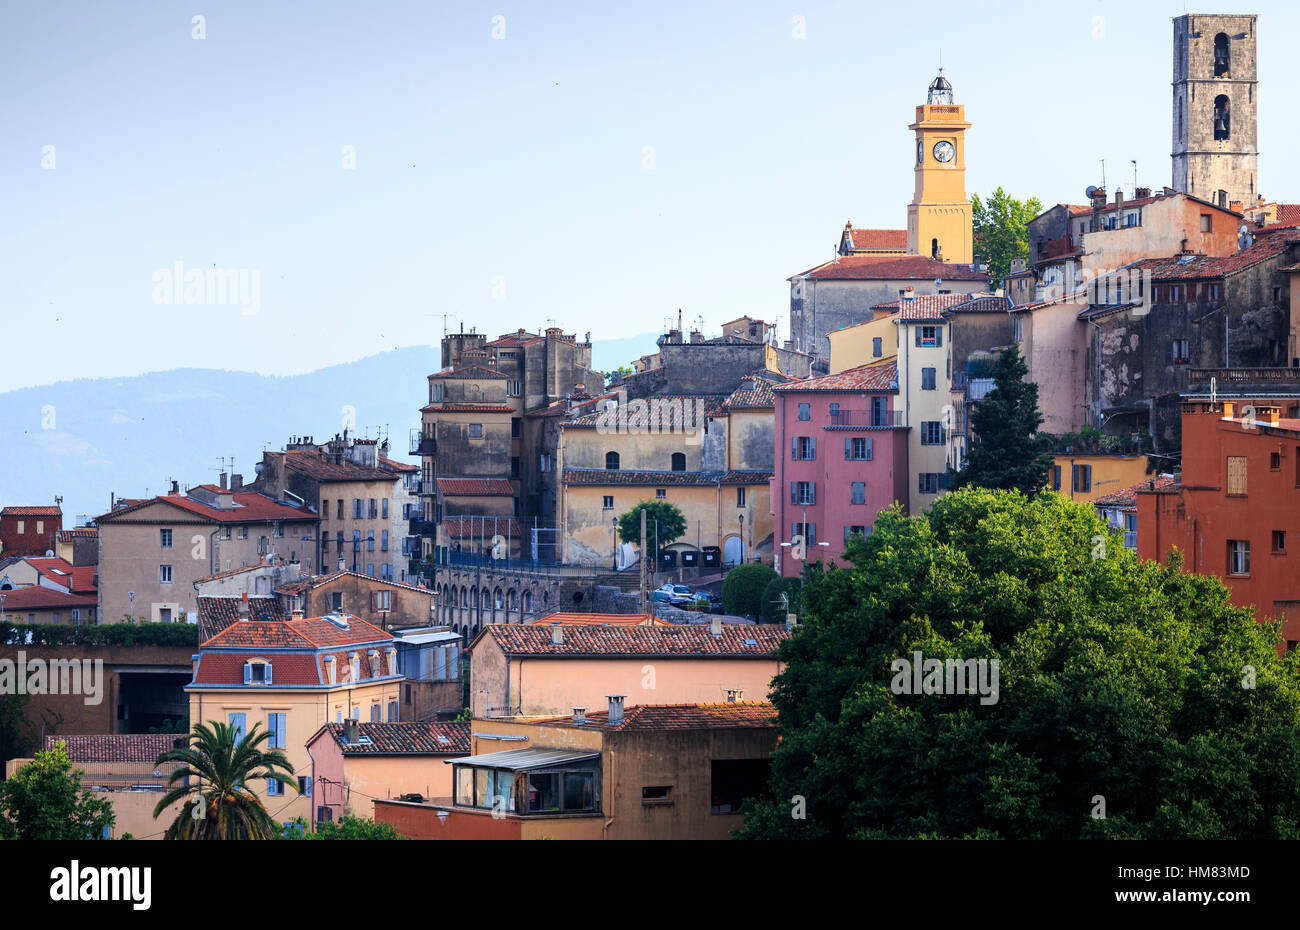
(939, 216)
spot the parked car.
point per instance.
(677, 595)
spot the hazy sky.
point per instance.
(508, 180)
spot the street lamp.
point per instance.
(614, 523)
(742, 539)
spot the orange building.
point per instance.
(531, 671)
(1236, 511)
(652, 772)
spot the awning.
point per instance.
(516, 759)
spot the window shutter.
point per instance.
(812, 492)
(918, 335)
(848, 448)
(812, 448)
(268, 673)
(794, 448)
(943, 434)
(938, 335)
(812, 534)
(868, 442)
(248, 673)
(794, 492)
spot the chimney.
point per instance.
(350, 730)
(734, 695)
(696, 337)
(222, 481)
(1099, 199)
(176, 487)
(580, 715)
(243, 607)
(1141, 193)
(715, 625)
(236, 482)
(615, 708)
(297, 614)
(557, 634)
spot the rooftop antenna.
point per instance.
(1135, 176)
(1103, 174)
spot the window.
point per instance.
(929, 337)
(22, 526)
(1206, 222)
(544, 462)
(1279, 540)
(1222, 55)
(514, 466)
(237, 722)
(579, 791)
(1017, 328)
(356, 508)
(374, 713)
(1130, 530)
(877, 348)
(476, 431)
(257, 673)
(927, 379)
(679, 461)
(608, 502)
(1277, 295)
(803, 448)
(370, 569)
(803, 493)
(340, 514)
(243, 532)
(858, 492)
(851, 531)
(275, 725)
(805, 411)
(513, 388)
(516, 427)
(383, 542)
(384, 508)
(383, 600)
(165, 574)
(229, 531)
(928, 483)
(1236, 476)
(835, 410)
(879, 411)
(656, 794)
(807, 530)
(732, 781)
(611, 461)
(1178, 351)
(1275, 461)
(932, 433)
(1055, 477)
(1222, 118)
(274, 787)
(373, 510)
(1081, 478)
(1238, 557)
(370, 540)
(740, 497)
(661, 493)
(165, 538)
(304, 787)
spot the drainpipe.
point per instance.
(605, 829)
(1097, 410)
(1225, 339)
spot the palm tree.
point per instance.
(215, 767)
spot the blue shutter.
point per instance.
(268, 673)
(248, 673)
(848, 448)
(868, 442)
(794, 493)
(812, 451)
(794, 448)
(918, 335)
(938, 335)
(812, 492)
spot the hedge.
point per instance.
(108, 634)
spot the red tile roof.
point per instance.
(890, 268)
(754, 393)
(467, 408)
(513, 340)
(217, 613)
(577, 619)
(398, 466)
(81, 532)
(39, 597)
(859, 238)
(1184, 267)
(476, 487)
(668, 641)
(1128, 496)
(929, 301)
(726, 715)
(31, 512)
(318, 466)
(133, 748)
(249, 507)
(713, 404)
(408, 739)
(881, 379)
(307, 633)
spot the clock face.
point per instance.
(920, 151)
(943, 151)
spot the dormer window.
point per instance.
(392, 660)
(355, 661)
(257, 672)
(331, 670)
(374, 663)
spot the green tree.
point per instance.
(671, 520)
(1004, 450)
(742, 589)
(1126, 688)
(211, 778)
(44, 800)
(347, 828)
(1001, 229)
(774, 608)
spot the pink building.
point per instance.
(841, 458)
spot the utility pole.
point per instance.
(643, 558)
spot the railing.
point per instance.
(423, 445)
(1202, 376)
(867, 418)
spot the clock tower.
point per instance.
(939, 216)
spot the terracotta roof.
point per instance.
(713, 404)
(727, 715)
(476, 487)
(217, 613)
(890, 267)
(80, 579)
(1128, 496)
(858, 238)
(39, 597)
(927, 301)
(249, 507)
(318, 466)
(82, 532)
(307, 633)
(863, 379)
(467, 408)
(691, 641)
(575, 619)
(134, 748)
(1076, 208)
(31, 512)
(754, 393)
(414, 739)
(602, 477)
(514, 340)
(308, 582)
(1288, 214)
(398, 466)
(1183, 267)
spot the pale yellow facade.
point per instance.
(925, 409)
(939, 219)
(338, 503)
(1105, 474)
(855, 346)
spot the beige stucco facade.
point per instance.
(854, 346)
(1054, 344)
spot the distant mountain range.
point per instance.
(86, 439)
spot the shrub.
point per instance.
(773, 611)
(742, 591)
(108, 634)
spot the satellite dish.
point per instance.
(938, 282)
(1091, 192)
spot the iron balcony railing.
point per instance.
(423, 445)
(867, 418)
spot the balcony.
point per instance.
(420, 527)
(423, 445)
(1200, 377)
(864, 418)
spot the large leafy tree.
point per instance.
(1134, 700)
(671, 525)
(1001, 229)
(44, 800)
(214, 770)
(1004, 451)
